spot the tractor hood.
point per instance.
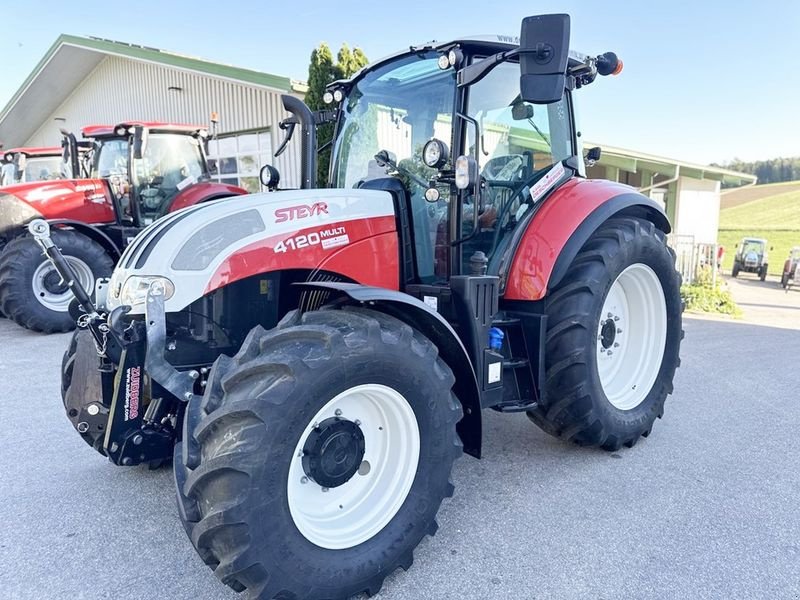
(85, 200)
(205, 247)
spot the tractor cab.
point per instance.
(34, 164)
(146, 165)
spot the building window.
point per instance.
(237, 158)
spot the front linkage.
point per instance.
(140, 426)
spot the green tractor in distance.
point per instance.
(751, 257)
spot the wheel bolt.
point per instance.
(610, 315)
(610, 353)
(619, 330)
(324, 489)
(93, 409)
(338, 412)
(357, 422)
(304, 479)
(616, 318)
(616, 345)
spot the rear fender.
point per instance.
(432, 325)
(565, 222)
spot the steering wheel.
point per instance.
(503, 168)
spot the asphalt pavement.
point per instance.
(706, 507)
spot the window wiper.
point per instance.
(539, 131)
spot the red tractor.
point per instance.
(21, 165)
(137, 172)
(316, 360)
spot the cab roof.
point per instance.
(34, 151)
(95, 131)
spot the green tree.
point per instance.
(321, 72)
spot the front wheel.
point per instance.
(762, 274)
(613, 338)
(31, 290)
(319, 455)
(735, 271)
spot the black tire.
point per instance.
(785, 280)
(18, 263)
(575, 405)
(81, 386)
(735, 272)
(762, 274)
(231, 468)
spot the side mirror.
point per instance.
(270, 177)
(139, 142)
(593, 155)
(543, 56)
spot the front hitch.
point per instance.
(131, 357)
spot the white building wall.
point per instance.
(697, 209)
(121, 89)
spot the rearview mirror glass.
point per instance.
(543, 55)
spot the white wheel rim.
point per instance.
(59, 302)
(629, 359)
(354, 512)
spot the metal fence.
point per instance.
(696, 262)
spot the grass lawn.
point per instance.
(775, 218)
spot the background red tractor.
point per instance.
(316, 360)
(31, 164)
(137, 172)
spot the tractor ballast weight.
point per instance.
(320, 357)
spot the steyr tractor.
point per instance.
(33, 164)
(137, 171)
(751, 257)
(315, 360)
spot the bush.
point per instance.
(704, 298)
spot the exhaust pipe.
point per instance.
(308, 130)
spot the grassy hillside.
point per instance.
(756, 192)
(779, 211)
(775, 217)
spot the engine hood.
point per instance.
(207, 246)
(85, 200)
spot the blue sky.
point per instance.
(703, 81)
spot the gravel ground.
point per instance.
(706, 507)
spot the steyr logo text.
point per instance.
(300, 212)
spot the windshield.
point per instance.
(42, 168)
(397, 108)
(170, 163)
(752, 246)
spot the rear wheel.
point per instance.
(613, 338)
(762, 273)
(319, 455)
(735, 272)
(784, 280)
(31, 291)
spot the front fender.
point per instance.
(564, 223)
(432, 325)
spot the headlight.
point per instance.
(434, 153)
(134, 290)
(466, 172)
